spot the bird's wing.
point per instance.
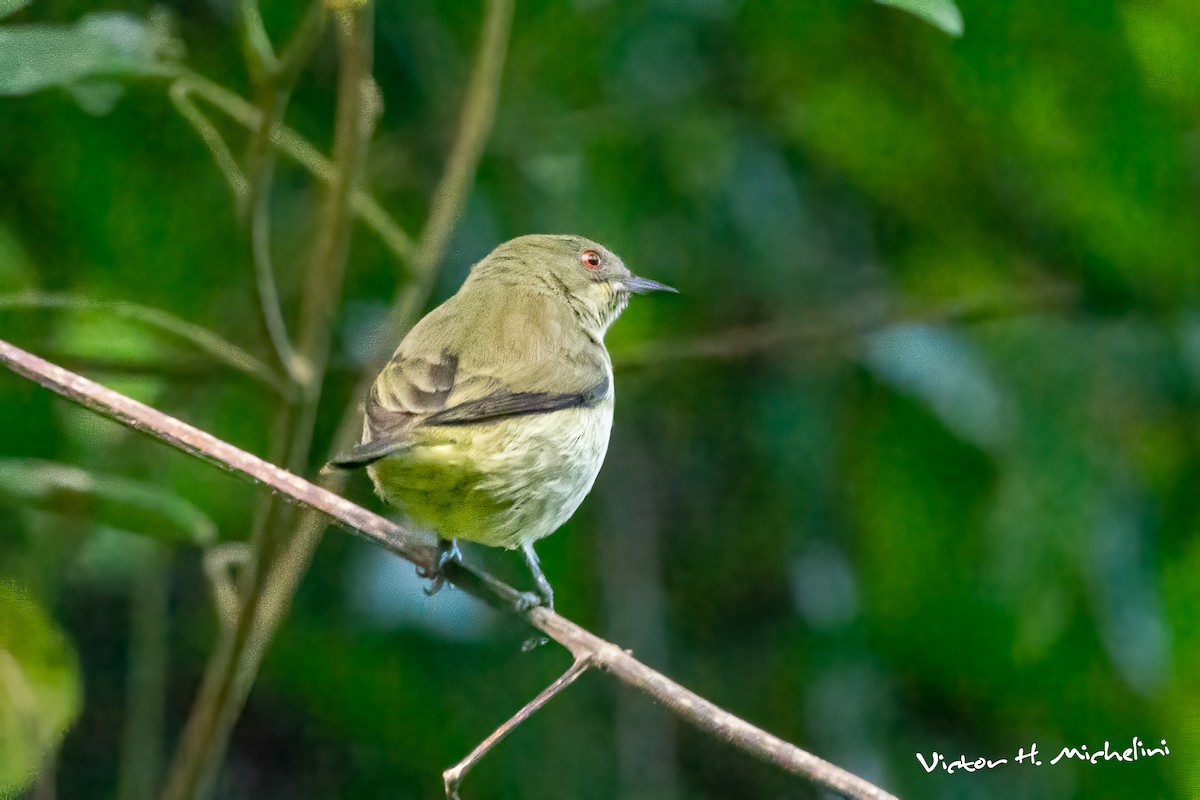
(421, 387)
(505, 403)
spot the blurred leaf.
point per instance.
(9, 7)
(39, 687)
(939, 366)
(1164, 38)
(938, 13)
(1124, 593)
(96, 97)
(101, 45)
(123, 503)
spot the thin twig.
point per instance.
(453, 776)
(221, 566)
(841, 329)
(304, 40)
(256, 44)
(255, 209)
(290, 143)
(212, 344)
(264, 281)
(421, 551)
(273, 80)
(180, 96)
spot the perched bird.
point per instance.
(492, 418)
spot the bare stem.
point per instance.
(233, 665)
(256, 44)
(180, 94)
(273, 80)
(454, 775)
(421, 551)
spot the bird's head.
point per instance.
(585, 274)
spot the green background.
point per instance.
(910, 464)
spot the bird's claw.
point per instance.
(436, 582)
(447, 551)
(527, 600)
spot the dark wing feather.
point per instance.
(407, 391)
(367, 453)
(503, 403)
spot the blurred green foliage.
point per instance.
(911, 464)
(39, 680)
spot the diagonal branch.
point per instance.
(421, 551)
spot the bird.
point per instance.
(491, 421)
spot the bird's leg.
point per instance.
(447, 551)
(539, 577)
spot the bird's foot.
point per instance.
(543, 597)
(544, 590)
(528, 600)
(447, 551)
(533, 643)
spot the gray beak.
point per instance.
(642, 285)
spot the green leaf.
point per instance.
(9, 7)
(39, 687)
(941, 14)
(103, 45)
(119, 502)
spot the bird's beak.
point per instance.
(642, 285)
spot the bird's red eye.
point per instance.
(590, 259)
